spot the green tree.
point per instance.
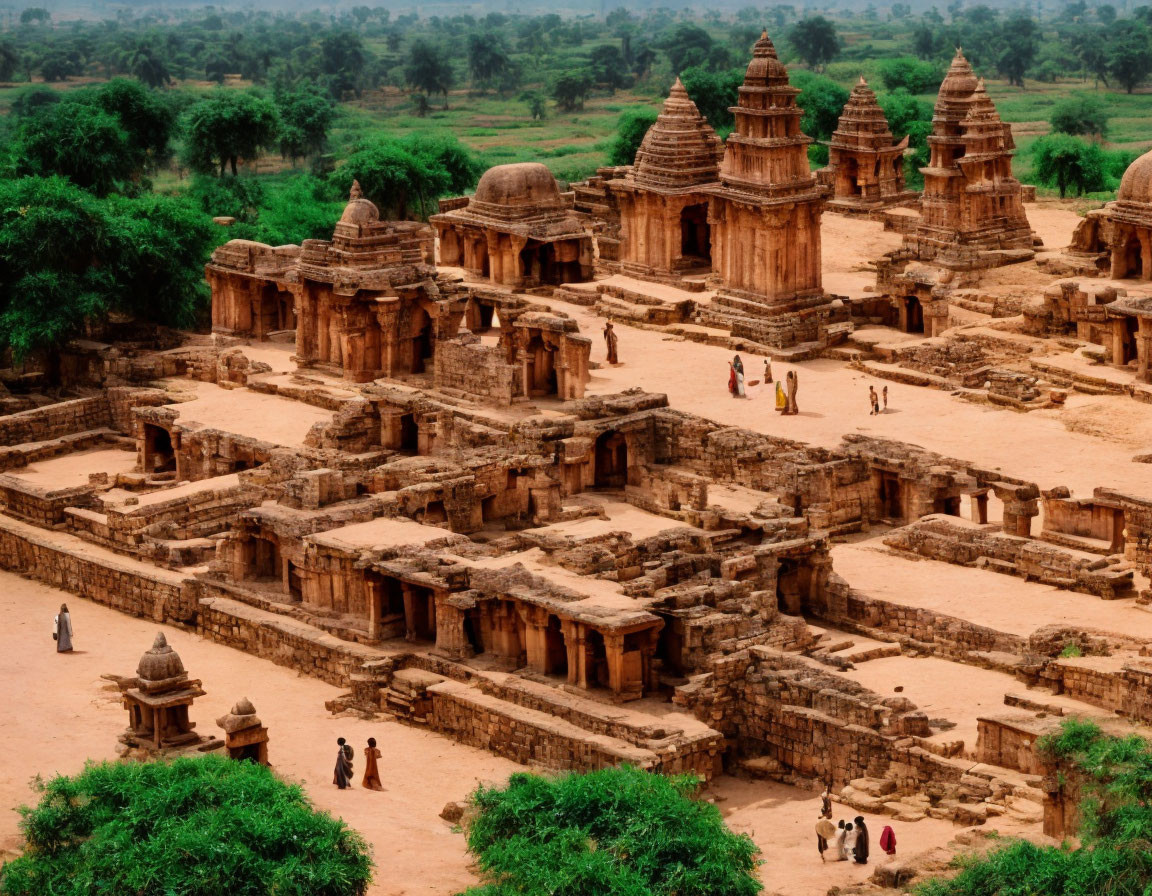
(924, 42)
(203, 825)
(1129, 54)
(613, 832)
(147, 117)
(306, 115)
(9, 61)
(911, 74)
(143, 62)
(631, 127)
(609, 68)
(429, 69)
(1021, 38)
(226, 127)
(714, 94)
(1069, 163)
(686, 45)
(343, 60)
(1080, 115)
(77, 141)
(35, 15)
(571, 89)
(537, 104)
(822, 100)
(405, 177)
(816, 40)
(488, 59)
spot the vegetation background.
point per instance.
(265, 116)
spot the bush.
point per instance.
(630, 131)
(190, 826)
(614, 832)
(909, 73)
(1069, 163)
(1080, 115)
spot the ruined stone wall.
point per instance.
(1009, 744)
(121, 401)
(69, 564)
(41, 507)
(476, 370)
(55, 420)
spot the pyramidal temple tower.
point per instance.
(971, 212)
(663, 200)
(865, 164)
(765, 216)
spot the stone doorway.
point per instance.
(912, 315)
(611, 460)
(852, 178)
(1128, 340)
(793, 581)
(422, 346)
(695, 234)
(555, 650)
(890, 495)
(542, 378)
(159, 453)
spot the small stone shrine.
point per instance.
(158, 699)
(244, 735)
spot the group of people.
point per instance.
(785, 391)
(847, 840)
(874, 399)
(344, 770)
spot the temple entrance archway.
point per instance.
(852, 177)
(611, 459)
(1131, 264)
(890, 496)
(793, 580)
(159, 453)
(555, 650)
(422, 347)
(912, 315)
(1129, 340)
(695, 234)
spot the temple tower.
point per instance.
(765, 214)
(971, 200)
(664, 229)
(865, 165)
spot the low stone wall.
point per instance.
(40, 506)
(55, 420)
(284, 641)
(1010, 743)
(66, 562)
(542, 740)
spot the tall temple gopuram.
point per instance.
(972, 208)
(663, 202)
(765, 216)
(865, 164)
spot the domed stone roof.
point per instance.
(960, 80)
(765, 67)
(518, 184)
(161, 662)
(359, 211)
(1136, 184)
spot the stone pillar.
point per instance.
(575, 643)
(373, 596)
(1119, 331)
(1144, 351)
(980, 507)
(535, 637)
(614, 647)
(409, 611)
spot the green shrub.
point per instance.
(630, 131)
(189, 827)
(614, 832)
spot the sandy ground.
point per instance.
(782, 820)
(1001, 602)
(69, 715)
(246, 413)
(70, 470)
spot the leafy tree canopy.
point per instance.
(228, 126)
(816, 40)
(1079, 115)
(913, 75)
(406, 176)
(571, 89)
(714, 93)
(204, 825)
(67, 256)
(822, 100)
(615, 832)
(84, 144)
(1069, 163)
(306, 115)
(630, 131)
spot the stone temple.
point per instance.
(400, 463)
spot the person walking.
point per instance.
(861, 840)
(885, 398)
(611, 342)
(738, 366)
(371, 769)
(826, 803)
(62, 630)
(825, 836)
(873, 402)
(342, 777)
(767, 370)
